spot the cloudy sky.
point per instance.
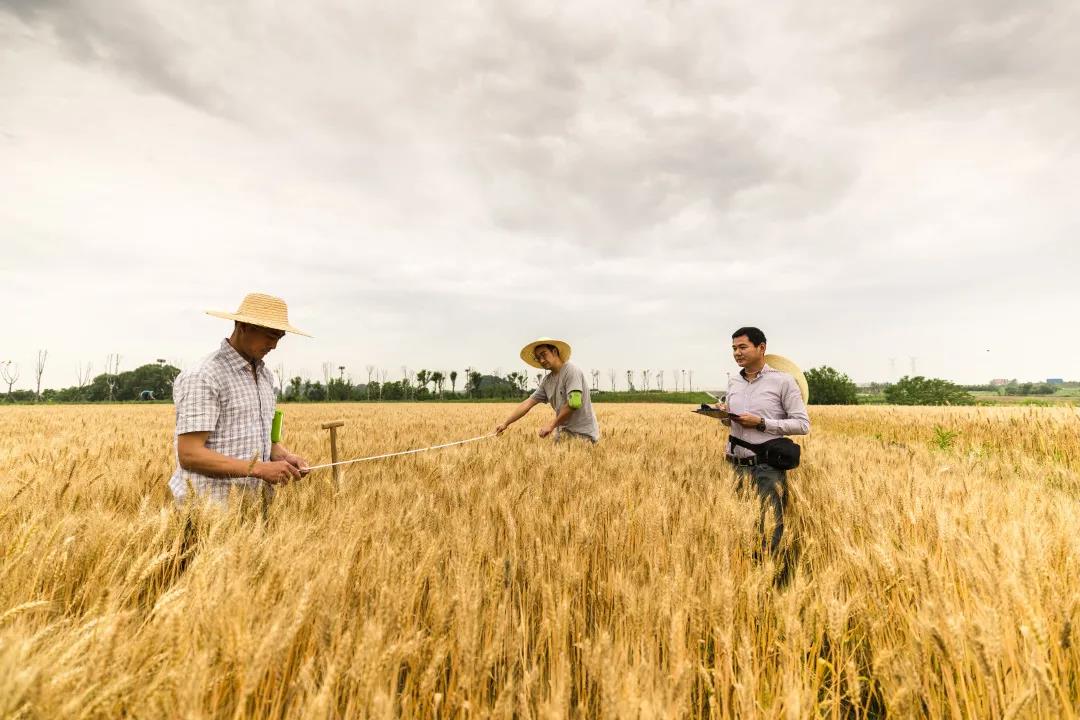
(434, 184)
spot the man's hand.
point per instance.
(500, 428)
(276, 472)
(297, 462)
(747, 420)
(722, 406)
(546, 430)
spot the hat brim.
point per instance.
(261, 322)
(781, 363)
(528, 350)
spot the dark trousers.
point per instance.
(770, 487)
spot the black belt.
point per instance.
(741, 462)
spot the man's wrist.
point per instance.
(762, 426)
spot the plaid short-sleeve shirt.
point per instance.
(222, 396)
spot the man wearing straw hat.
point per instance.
(225, 408)
(765, 401)
(564, 388)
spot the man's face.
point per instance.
(545, 357)
(745, 352)
(258, 341)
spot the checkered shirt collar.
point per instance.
(234, 360)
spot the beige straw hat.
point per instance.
(263, 310)
(528, 350)
(781, 363)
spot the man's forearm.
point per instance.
(520, 411)
(563, 416)
(205, 461)
(788, 426)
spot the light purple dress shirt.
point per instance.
(772, 395)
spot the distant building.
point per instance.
(1055, 381)
(999, 382)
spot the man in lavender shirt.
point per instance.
(764, 404)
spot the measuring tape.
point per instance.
(403, 452)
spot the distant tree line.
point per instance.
(147, 382)
(832, 387)
(154, 381)
(920, 390)
(1023, 389)
(428, 385)
(1017, 388)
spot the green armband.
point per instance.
(275, 429)
(575, 400)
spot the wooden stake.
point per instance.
(332, 427)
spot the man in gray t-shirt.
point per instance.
(564, 387)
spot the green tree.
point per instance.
(128, 384)
(919, 390)
(473, 384)
(338, 389)
(830, 387)
(453, 382)
(314, 391)
(518, 380)
(1024, 389)
(437, 379)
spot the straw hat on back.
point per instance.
(528, 350)
(781, 363)
(263, 310)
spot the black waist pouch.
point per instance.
(782, 453)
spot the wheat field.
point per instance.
(932, 571)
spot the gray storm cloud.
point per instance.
(430, 182)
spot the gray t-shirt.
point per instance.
(556, 388)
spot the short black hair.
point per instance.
(551, 348)
(752, 334)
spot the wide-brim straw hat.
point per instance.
(263, 310)
(781, 363)
(528, 350)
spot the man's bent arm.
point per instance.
(563, 416)
(797, 421)
(519, 412)
(193, 455)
